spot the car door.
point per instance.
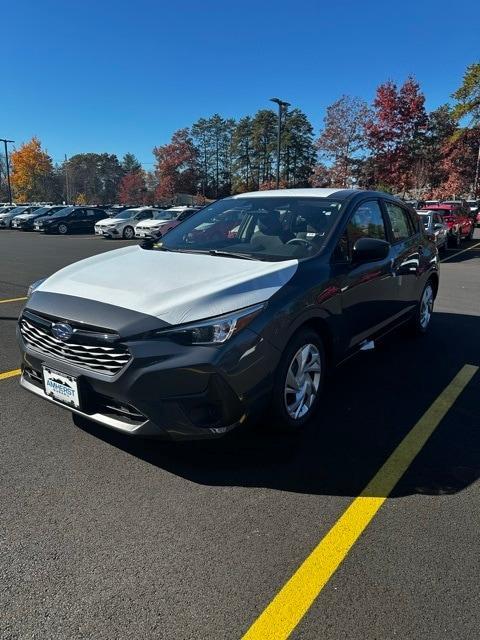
(88, 220)
(439, 229)
(368, 293)
(408, 247)
(73, 220)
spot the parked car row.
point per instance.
(449, 222)
(116, 222)
(143, 222)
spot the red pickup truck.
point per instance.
(458, 220)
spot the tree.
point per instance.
(176, 166)
(81, 198)
(264, 144)
(344, 136)
(130, 164)
(132, 188)
(468, 95)
(241, 150)
(459, 164)
(32, 172)
(213, 137)
(440, 131)
(95, 175)
(298, 151)
(395, 132)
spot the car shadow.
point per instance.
(369, 405)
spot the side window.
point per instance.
(183, 216)
(79, 213)
(366, 222)
(90, 213)
(399, 219)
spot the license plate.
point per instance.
(61, 387)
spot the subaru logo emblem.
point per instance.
(62, 331)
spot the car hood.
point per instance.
(107, 222)
(174, 287)
(153, 223)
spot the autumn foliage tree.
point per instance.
(395, 132)
(32, 172)
(176, 166)
(132, 188)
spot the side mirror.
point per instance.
(369, 250)
(438, 226)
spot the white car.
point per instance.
(123, 224)
(163, 219)
(7, 217)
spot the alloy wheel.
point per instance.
(302, 381)
(128, 233)
(426, 307)
(62, 229)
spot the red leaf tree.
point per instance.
(177, 166)
(395, 132)
(132, 188)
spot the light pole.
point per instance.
(281, 105)
(5, 142)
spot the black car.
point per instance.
(26, 221)
(70, 220)
(229, 314)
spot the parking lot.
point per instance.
(104, 536)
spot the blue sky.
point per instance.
(117, 76)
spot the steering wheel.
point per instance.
(300, 241)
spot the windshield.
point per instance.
(41, 211)
(165, 215)
(124, 215)
(16, 210)
(263, 228)
(425, 217)
(62, 212)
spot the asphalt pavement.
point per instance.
(106, 537)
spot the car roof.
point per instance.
(298, 193)
(315, 192)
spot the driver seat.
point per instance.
(270, 235)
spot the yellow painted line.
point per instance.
(10, 374)
(294, 599)
(474, 246)
(13, 300)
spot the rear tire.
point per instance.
(298, 382)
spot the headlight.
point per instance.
(34, 286)
(214, 330)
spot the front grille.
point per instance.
(108, 360)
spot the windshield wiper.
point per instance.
(232, 254)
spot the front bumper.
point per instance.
(144, 233)
(169, 390)
(110, 232)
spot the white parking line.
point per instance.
(474, 246)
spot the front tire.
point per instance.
(298, 382)
(128, 233)
(62, 229)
